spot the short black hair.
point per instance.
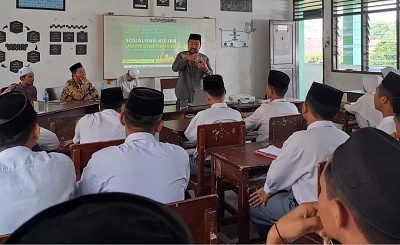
(21, 77)
(320, 110)
(20, 139)
(373, 235)
(216, 93)
(146, 122)
(279, 91)
(383, 91)
(115, 106)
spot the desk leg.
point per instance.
(243, 206)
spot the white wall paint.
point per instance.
(244, 70)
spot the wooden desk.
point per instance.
(67, 109)
(171, 113)
(234, 164)
(346, 119)
(353, 95)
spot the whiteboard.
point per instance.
(151, 43)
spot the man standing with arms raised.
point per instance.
(192, 67)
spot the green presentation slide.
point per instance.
(145, 46)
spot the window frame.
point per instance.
(364, 37)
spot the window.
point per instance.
(365, 35)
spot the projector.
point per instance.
(242, 98)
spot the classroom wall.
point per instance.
(244, 69)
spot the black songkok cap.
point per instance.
(325, 94)
(145, 102)
(104, 218)
(366, 168)
(396, 105)
(278, 79)
(392, 83)
(75, 67)
(16, 114)
(111, 95)
(213, 82)
(194, 36)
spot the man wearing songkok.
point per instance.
(219, 112)
(104, 125)
(25, 85)
(278, 83)
(79, 87)
(129, 80)
(386, 91)
(30, 181)
(359, 201)
(396, 110)
(295, 167)
(192, 67)
(110, 218)
(141, 165)
(364, 108)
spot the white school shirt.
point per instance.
(31, 182)
(217, 113)
(47, 140)
(100, 126)
(141, 166)
(387, 125)
(260, 118)
(296, 165)
(365, 112)
(126, 85)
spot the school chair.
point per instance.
(81, 153)
(54, 93)
(281, 128)
(64, 127)
(168, 83)
(214, 135)
(200, 216)
(3, 238)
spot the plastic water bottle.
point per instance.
(102, 86)
(46, 100)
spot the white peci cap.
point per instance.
(25, 71)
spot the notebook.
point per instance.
(270, 152)
(199, 98)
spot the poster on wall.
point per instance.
(42, 4)
(234, 39)
(237, 5)
(163, 3)
(180, 5)
(140, 4)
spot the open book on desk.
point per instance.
(270, 152)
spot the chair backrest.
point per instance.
(3, 238)
(280, 128)
(54, 93)
(214, 135)
(64, 127)
(168, 83)
(81, 153)
(320, 168)
(200, 216)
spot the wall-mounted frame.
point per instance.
(140, 4)
(163, 3)
(180, 5)
(41, 4)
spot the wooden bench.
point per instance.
(281, 128)
(81, 153)
(200, 216)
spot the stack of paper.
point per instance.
(270, 152)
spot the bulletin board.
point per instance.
(42, 4)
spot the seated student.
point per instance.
(113, 218)
(141, 165)
(396, 110)
(219, 112)
(48, 140)
(296, 165)
(364, 108)
(388, 69)
(277, 87)
(386, 91)
(359, 201)
(129, 80)
(30, 181)
(103, 125)
(79, 87)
